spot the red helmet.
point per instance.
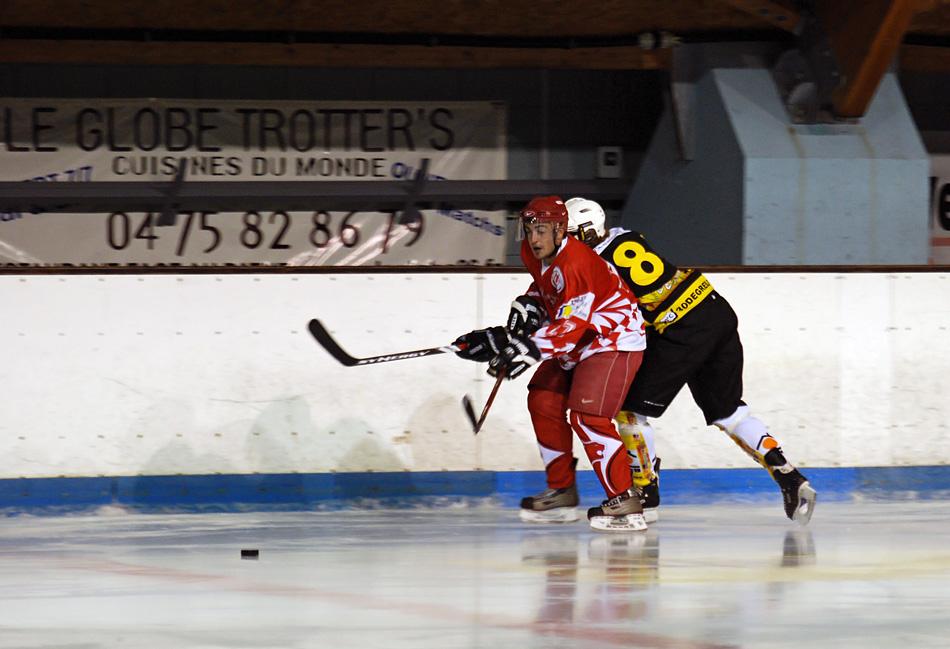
(547, 209)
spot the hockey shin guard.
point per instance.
(605, 450)
(636, 432)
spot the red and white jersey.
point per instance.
(589, 308)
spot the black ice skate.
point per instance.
(650, 495)
(551, 506)
(797, 493)
(623, 513)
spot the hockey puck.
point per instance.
(250, 554)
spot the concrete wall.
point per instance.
(829, 194)
(692, 209)
(748, 186)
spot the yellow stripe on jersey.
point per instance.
(653, 299)
(695, 293)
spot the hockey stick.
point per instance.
(322, 336)
(470, 408)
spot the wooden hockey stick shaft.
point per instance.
(470, 409)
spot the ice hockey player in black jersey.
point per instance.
(693, 340)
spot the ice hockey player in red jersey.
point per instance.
(581, 323)
(692, 340)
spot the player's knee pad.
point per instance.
(646, 432)
(636, 428)
(597, 423)
(595, 428)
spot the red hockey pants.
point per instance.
(593, 391)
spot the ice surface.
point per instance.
(861, 575)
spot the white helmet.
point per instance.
(584, 215)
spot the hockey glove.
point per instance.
(481, 345)
(517, 356)
(525, 317)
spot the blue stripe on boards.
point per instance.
(294, 491)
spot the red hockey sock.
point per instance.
(606, 451)
(549, 415)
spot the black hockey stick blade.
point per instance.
(469, 407)
(322, 336)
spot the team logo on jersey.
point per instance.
(579, 307)
(565, 327)
(557, 279)
(669, 317)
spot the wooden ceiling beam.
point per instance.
(913, 58)
(775, 13)
(330, 56)
(515, 18)
(924, 58)
(865, 36)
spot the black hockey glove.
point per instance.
(481, 345)
(525, 316)
(517, 356)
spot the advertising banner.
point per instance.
(52, 140)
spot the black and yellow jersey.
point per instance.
(666, 293)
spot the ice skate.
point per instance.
(551, 506)
(797, 493)
(623, 513)
(650, 495)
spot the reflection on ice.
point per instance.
(729, 575)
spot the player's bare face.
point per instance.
(543, 239)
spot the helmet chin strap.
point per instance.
(557, 237)
(586, 233)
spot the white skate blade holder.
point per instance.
(651, 514)
(626, 523)
(806, 504)
(556, 515)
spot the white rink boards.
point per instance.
(202, 374)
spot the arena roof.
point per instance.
(417, 33)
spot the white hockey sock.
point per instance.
(750, 433)
(649, 436)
